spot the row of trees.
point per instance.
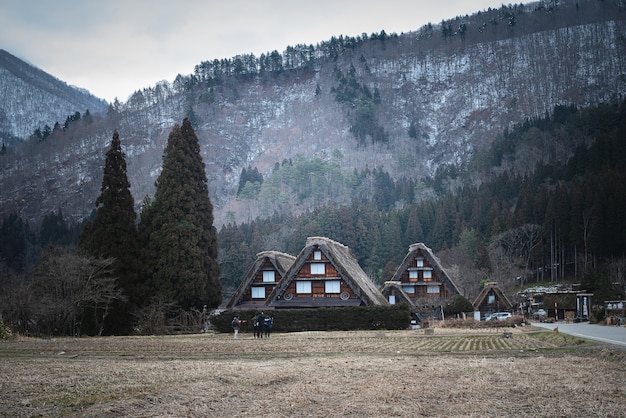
(46, 131)
(483, 26)
(124, 276)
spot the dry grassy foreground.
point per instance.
(392, 373)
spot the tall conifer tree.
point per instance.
(113, 233)
(181, 241)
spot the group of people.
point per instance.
(261, 325)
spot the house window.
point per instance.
(428, 274)
(432, 289)
(412, 274)
(409, 289)
(332, 286)
(420, 262)
(491, 299)
(303, 286)
(318, 268)
(268, 277)
(317, 255)
(258, 293)
(392, 299)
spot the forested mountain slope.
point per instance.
(32, 99)
(317, 120)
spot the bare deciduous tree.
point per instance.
(515, 247)
(72, 292)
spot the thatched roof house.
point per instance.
(491, 299)
(260, 280)
(423, 279)
(325, 273)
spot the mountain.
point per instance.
(31, 99)
(310, 120)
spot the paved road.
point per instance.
(604, 333)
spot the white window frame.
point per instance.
(412, 274)
(409, 289)
(317, 255)
(258, 292)
(269, 276)
(332, 286)
(428, 274)
(420, 262)
(433, 289)
(318, 268)
(303, 286)
(392, 299)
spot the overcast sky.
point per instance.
(115, 47)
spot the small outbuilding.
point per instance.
(395, 294)
(492, 299)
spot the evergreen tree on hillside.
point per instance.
(180, 239)
(54, 230)
(113, 234)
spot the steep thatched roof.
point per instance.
(346, 264)
(501, 301)
(280, 261)
(433, 261)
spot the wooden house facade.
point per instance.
(491, 299)
(422, 280)
(325, 274)
(260, 279)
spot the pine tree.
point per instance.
(181, 241)
(113, 234)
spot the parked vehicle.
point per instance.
(500, 316)
(540, 315)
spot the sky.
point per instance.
(115, 47)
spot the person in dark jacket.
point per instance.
(268, 326)
(259, 323)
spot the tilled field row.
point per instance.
(389, 342)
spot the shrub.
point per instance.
(5, 331)
(457, 305)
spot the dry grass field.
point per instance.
(452, 373)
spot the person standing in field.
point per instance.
(259, 324)
(268, 326)
(236, 324)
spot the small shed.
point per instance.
(395, 294)
(492, 299)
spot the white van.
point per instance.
(500, 316)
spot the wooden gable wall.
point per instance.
(258, 282)
(419, 279)
(318, 281)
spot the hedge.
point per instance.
(320, 319)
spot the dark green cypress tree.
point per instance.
(113, 233)
(181, 241)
